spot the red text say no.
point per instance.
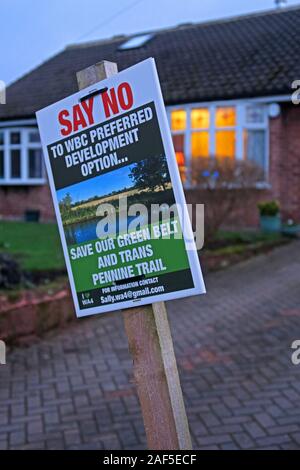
(81, 115)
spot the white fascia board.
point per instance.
(260, 99)
(18, 123)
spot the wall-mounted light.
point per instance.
(274, 110)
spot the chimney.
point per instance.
(280, 3)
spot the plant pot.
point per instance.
(291, 230)
(270, 223)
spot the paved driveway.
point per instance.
(74, 388)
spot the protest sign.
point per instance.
(117, 194)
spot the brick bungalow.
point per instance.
(227, 89)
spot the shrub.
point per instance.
(268, 208)
(10, 272)
(228, 184)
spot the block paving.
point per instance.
(73, 389)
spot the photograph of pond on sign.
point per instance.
(84, 205)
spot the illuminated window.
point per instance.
(200, 144)
(178, 120)
(178, 141)
(225, 144)
(225, 139)
(235, 131)
(200, 118)
(225, 117)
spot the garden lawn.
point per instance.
(36, 246)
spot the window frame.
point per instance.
(240, 126)
(24, 146)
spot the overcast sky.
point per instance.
(33, 30)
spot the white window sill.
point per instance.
(263, 185)
(18, 182)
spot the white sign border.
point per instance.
(199, 287)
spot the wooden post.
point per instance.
(151, 346)
(156, 377)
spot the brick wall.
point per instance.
(285, 160)
(16, 200)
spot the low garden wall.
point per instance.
(30, 313)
